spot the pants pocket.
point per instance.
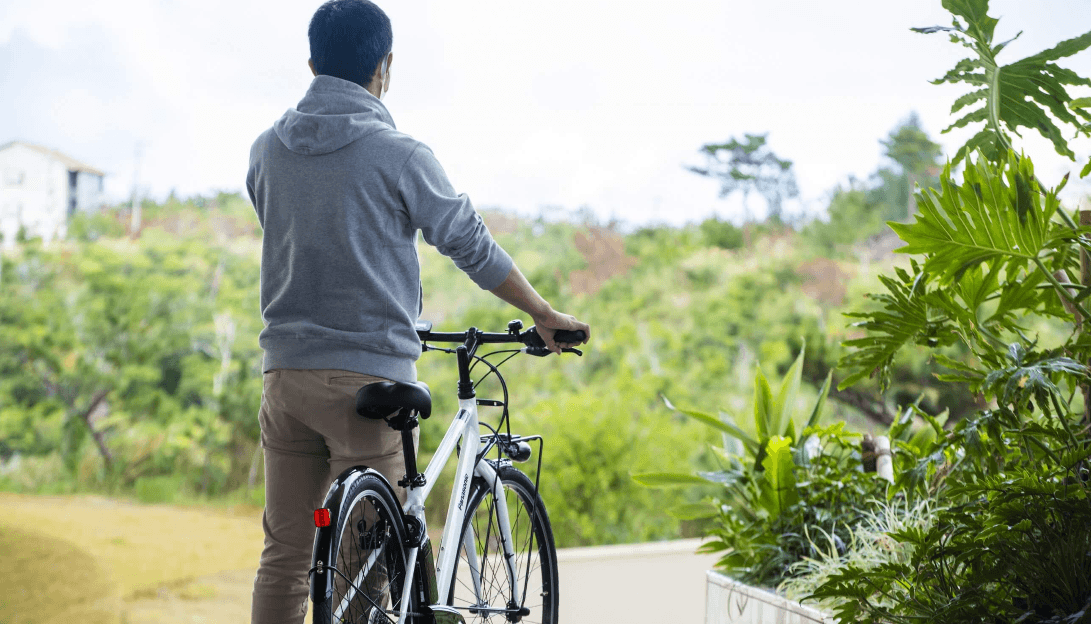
(351, 379)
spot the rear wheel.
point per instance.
(482, 588)
(369, 559)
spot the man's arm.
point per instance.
(517, 291)
(448, 221)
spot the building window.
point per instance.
(13, 177)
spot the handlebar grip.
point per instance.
(568, 337)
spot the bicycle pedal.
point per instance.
(447, 615)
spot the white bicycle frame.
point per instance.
(464, 427)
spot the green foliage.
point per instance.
(853, 215)
(988, 243)
(1013, 539)
(862, 209)
(908, 314)
(1030, 93)
(767, 518)
(1010, 539)
(773, 491)
(163, 326)
(593, 444)
(722, 234)
(911, 147)
(133, 349)
(92, 226)
(996, 215)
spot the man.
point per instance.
(340, 195)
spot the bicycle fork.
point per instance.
(492, 477)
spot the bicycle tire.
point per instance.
(535, 555)
(368, 557)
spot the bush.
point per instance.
(594, 443)
(722, 234)
(164, 489)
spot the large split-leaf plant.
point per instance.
(1017, 95)
(1000, 267)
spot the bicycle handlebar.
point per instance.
(530, 337)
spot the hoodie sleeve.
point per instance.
(449, 222)
(251, 181)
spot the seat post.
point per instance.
(412, 477)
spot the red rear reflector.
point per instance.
(321, 518)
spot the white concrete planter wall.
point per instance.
(731, 602)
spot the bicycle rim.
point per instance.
(370, 562)
(489, 596)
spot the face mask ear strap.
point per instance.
(383, 73)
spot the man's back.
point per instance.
(340, 194)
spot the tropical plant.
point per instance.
(1013, 96)
(1005, 543)
(868, 547)
(1011, 538)
(776, 488)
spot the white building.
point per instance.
(40, 188)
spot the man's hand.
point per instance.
(548, 324)
(517, 291)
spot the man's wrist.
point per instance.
(542, 311)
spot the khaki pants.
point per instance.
(310, 433)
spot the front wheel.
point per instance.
(483, 587)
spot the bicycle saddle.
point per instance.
(380, 400)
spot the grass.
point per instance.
(117, 547)
(45, 578)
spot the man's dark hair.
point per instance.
(349, 38)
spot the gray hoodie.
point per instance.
(340, 195)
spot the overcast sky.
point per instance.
(530, 106)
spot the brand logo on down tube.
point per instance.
(462, 497)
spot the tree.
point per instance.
(748, 167)
(910, 147)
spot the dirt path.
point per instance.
(179, 565)
(221, 598)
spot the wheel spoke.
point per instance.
(369, 562)
(536, 580)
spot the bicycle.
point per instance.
(373, 561)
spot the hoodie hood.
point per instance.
(332, 114)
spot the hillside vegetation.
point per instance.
(130, 365)
(129, 362)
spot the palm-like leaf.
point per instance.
(995, 214)
(722, 423)
(908, 315)
(1030, 93)
(780, 491)
(786, 398)
(1030, 375)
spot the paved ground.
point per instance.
(635, 584)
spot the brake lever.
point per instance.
(542, 351)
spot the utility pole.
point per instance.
(134, 224)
